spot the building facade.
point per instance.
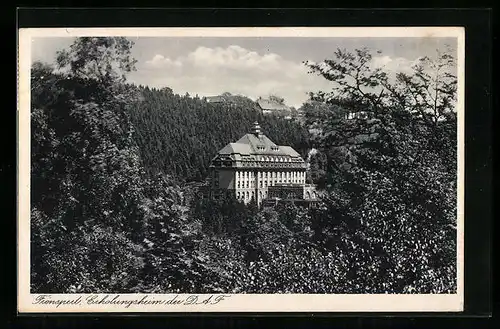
(255, 168)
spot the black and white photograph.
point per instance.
(209, 169)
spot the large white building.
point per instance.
(248, 167)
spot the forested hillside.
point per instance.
(179, 135)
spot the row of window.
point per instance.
(270, 174)
(266, 183)
(274, 159)
(269, 165)
(262, 147)
(248, 196)
(357, 115)
(246, 179)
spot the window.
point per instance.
(247, 184)
(238, 184)
(260, 183)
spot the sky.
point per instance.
(250, 66)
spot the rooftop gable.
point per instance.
(267, 104)
(257, 143)
(236, 148)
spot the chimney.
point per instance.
(256, 129)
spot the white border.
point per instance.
(309, 32)
(238, 302)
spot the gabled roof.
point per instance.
(257, 143)
(267, 104)
(236, 148)
(289, 151)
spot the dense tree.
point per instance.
(392, 185)
(219, 217)
(88, 185)
(176, 133)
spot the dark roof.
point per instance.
(257, 143)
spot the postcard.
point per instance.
(314, 169)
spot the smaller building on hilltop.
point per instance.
(231, 100)
(216, 99)
(274, 105)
